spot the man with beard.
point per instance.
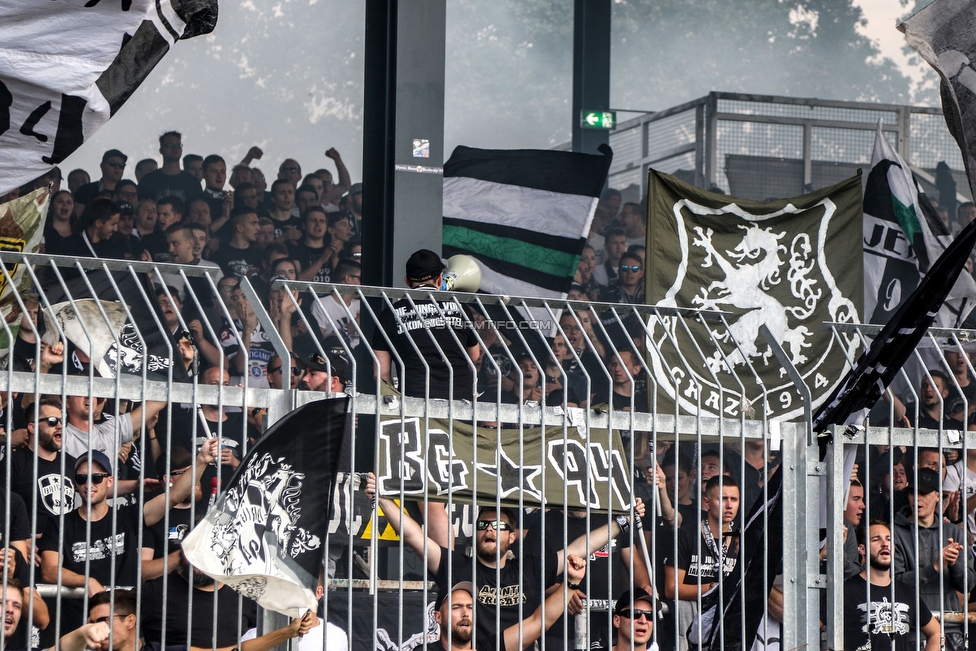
(53, 491)
(205, 591)
(506, 587)
(884, 618)
(456, 615)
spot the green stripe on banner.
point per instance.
(533, 256)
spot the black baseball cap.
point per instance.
(114, 153)
(339, 364)
(98, 457)
(424, 265)
(928, 482)
(629, 597)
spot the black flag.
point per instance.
(864, 384)
(264, 537)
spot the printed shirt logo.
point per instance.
(56, 493)
(762, 271)
(99, 549)
(884, 617)
(509, 595)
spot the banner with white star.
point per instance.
(580, 468)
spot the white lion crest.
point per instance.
(751, 269)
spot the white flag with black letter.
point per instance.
(66, 68)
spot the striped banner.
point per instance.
(523, 214)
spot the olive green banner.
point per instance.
(559, 467)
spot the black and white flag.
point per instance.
(853, 398)
(67, 67)
(903, 236)
(944, 33)
(522, 214)
(265, 535)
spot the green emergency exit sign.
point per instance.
(598, 119)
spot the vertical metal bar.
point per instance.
(835, 551)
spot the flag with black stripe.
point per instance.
(850, 402)
(523, 214)
(896, 211)
(67, 67)
(264, 536)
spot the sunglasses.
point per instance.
(276, 369)
(497, 525)
(637, 614)
(118, 166)
(630, 267)
(50, 421)
(96, 478)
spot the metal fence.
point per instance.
(567, 431)
(759, 147)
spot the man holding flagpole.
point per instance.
(118, 626)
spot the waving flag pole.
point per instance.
(264, 536)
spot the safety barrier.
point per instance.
(578, 423)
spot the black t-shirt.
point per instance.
(53, 490)
(202, 631)
(510, 591)
(80, 246)
(157, 184)
(686, 557)
(605, 570)
(954, 402)
(237, 262)
(19, 520)
(124, 554)
(888, 622)
(167, 540)
(24, 350)
(214, 199)
(104, 551)
(309, 255)
(424, 329)
(156, 244)
(280, 226)
(155, 646)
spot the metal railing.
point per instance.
(761, 146)
(578, 430)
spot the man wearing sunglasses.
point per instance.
(508, 587)
(54, 492)
(633, 619)
(456, 615)
(112, 543)
(113, 166)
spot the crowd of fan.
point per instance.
(309, 228)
